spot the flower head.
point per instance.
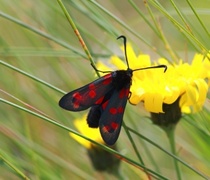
(155, 88)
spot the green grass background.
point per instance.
(36, 38)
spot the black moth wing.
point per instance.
(94, 116)
(112, 116)
(88, 95)
(95, 112)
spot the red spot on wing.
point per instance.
(110, 128)
(123, 93)
(92, 93)
(76, 99)
(120, 109)
(113, 110)
(127, 91)
(99, 101)
(114, 125)
(92, 86)
(106, 129)
(107, 79)
(76, 105)
(77, 96)
(104, 105)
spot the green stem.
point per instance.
(76, 31)
(13, 167)
(171, 137)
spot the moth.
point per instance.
(106, 97)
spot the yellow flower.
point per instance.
(92, 133)
(155, 88)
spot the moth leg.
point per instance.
(129, 95)
(99, 70)
(94, 67)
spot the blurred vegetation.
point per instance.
(41, 59)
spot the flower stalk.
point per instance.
(168, 121)
(171, 137)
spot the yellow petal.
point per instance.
(186, 109)
(163, 61)
(153, 102)
(143, 60)
(81, 140)
(202, 90)
(191, 95)
(137, 97)
(137, 93)
(92, 133)
(118, 62)
(171, 94)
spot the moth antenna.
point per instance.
(124, 42)
(153, 67)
